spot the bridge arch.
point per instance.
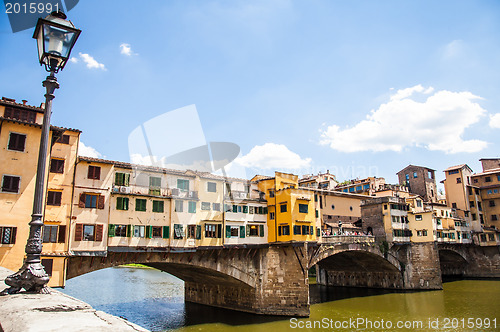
(452, 262)
(357, 265)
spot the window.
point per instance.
(414, 174)
(479, 206)
(191, 231)
(213, 231)
(483, 237)
(430, 175)
(85, 232)
(94, 173)
(20, 114)
(122, 179)
(48, 265)
(454, 205)
(16, 142)
(140, 204)
(251, 209)
(418, 217)
(470, 191)
(233, 231)
(395, 219)
(487, 179)
(211, 187)
(498, 178)
(474, 217)
(471, 204)
(139, 231)
(494, 217)
(54, 198)
(156, 231)
(459, 180)
(64, 139)
(120, 230)
(492, 203)
(455, 171)
(303, 208)
(178, 231)
(158, 206)
(91, 201)
(154, 185)
(10, 184)
(296, 230)
(88, 232)
(407, 176)
(183, 184)
(305, 230)
(54, 233)
(253, 230)
(271, 193)
(192, 207)
(8, 235)
(475, 180)
(122, 203)
(57, 165)
(179, 206)
(358, 188)
(283, 230)
(205, 206)
(283, 208)
(271, 215)
(216, 206)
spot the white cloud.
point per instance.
(91, 62)
(88, 151)
(126, 49)
(273, 156)
(495, 120)
(73, 59)
(437, 124)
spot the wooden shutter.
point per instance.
(198, 232)
(13, 235)
(81, 202)
(97, 173)
(100, 203)
(242, 232)
(219, 231)
(78, 232)
(261, 230)
(149, 232)
(248, 230)
(98, 232)
(61, 237)
(311, 230)
(166, 232)
(228, 231)
(129, 230)
(126, 179)
(111, 230)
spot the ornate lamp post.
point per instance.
(55, 37)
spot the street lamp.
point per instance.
(55, 37)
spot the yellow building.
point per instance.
(292, 212)
(420, 220)
(20, 130)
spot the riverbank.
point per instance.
(54, 312)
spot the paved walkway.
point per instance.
(54, 312)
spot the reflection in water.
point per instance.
(155, 300)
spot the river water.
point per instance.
(155, 300)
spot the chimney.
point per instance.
(24, 102)
(42, 106)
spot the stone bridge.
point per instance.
(272, 279)
(468, 260)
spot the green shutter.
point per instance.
(219, 231)
(242, 232)
(126, 180)
(261, 230)
(265, 210)
(318, 232)
(149, 232)
(166, 232)
(248, 230)
(311, 230)
(129, 230)
(245, 209)
(228, 231)
(235, 208)
(111, 230)
(198, 232)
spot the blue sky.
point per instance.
(359, 88)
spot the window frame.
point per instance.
(124, 206)
(158, 206)
(141, 204)
(55, 167)
(94, 172)
(18, 184)
(209, 184)
(19, 135)
(54, 197)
